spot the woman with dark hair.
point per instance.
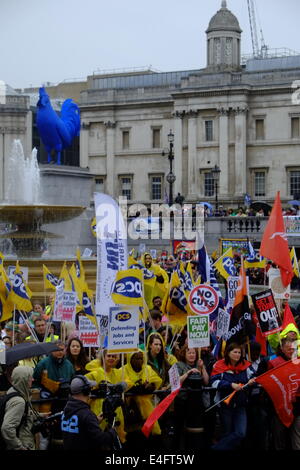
(230, 375)
(188, 405)
(157, 357)
(77, 356)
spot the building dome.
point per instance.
(224, 20)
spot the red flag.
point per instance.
(259, 337)
(288, 317)
(283, 384)
(274, 244)
(158, 412)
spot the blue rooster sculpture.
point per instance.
(57, 132)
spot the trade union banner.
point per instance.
(267, 312)
(111, 249)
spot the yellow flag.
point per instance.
(50, 281)
(294, 261)
(128, 289)
(225, 264)
(68, 283)
(20, 293)
(175, 305)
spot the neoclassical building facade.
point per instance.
(243, 118)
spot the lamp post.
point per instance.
(216, 173)
(171, 178)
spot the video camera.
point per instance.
(45, 425)
(112, 395)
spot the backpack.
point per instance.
(3, 400)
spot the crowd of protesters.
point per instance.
(119, 392)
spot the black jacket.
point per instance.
(80, 428)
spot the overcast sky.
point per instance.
(54, 40)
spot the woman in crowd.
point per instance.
(230, 375)
(157, 357)
(77, 356)
(187, 405)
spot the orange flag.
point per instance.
(274, 244)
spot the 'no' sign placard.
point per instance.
(203, 299)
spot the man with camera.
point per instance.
(79, 425)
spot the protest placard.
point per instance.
(58, 304)
(223, 322)
(123, 329)
(198, 331)
(267, 312)
(69, 306)
(203, 299)
(88, 333)
(174, 378)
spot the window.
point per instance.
(99, 184)
(209, 187)
(126, 186)
(156, 187)
(294, 183)
(259, 183)
(125, 139)
(295, 127)
(259, 129)
(208, 130)
(156, 138)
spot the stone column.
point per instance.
(240, 150)
(192, 155)
(84, 145)
(110, 156)
(178, 151)
(223, 151)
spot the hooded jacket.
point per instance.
(162, 280)
(146, 374)
(80, 428)
(274, 339)
(22, 438)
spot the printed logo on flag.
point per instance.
(19, 287)
(51, 278)
(86, 303)
(130, 287)
(229, 266)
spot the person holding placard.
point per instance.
(192, 374)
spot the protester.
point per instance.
(157, 357)
(143, 381)
(79, 425)
(39, 331)
(283, 437)
(76, 354)
(228, 375)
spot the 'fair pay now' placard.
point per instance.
(198, 331)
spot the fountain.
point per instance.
(23, 209)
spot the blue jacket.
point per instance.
(222, 382)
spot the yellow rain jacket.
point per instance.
(112, 377)
(144, 402)
(160, 288)
(274, 339)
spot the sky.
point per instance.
(55, 40)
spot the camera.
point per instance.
(44, 425)
(112, 395)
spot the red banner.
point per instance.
(158, 412)
(283, 384)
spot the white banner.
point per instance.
(278, 289)
(88, 333)
(232, 284)
(111, 249)
(58, 304)
(123, 331)
(69, 306)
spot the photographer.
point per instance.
(79, 425)
(18, 416)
